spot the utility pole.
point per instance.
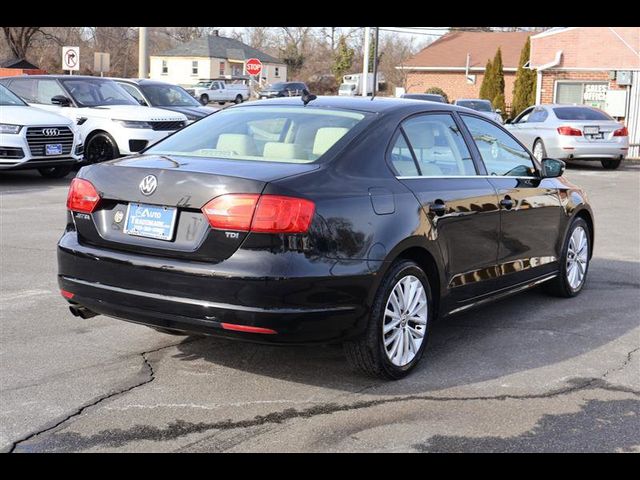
(365, 63)
(143, 56)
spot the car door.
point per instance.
(38, 92)
(530, 209)
(519, 127)
(431, 158)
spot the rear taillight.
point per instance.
(572, 132)
(621, 132)
(82, 197)
(259, 213)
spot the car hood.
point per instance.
(191, 112)
(30, 116)
(131, 112)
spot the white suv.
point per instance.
(110, 120)
(31, 138)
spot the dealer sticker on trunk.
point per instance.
(150, 221)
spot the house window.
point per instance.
(276, 71)
(581, 93)
(165, 68)
(221, 68)
(194, 67)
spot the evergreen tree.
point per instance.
(498, 73)
(343, 59)
(438, 91)
(524, 89)
(486, 88)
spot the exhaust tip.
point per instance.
(81, 312)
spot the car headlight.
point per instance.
(7, 128)
(133, 123)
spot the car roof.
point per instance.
(375, 105)
(60, 77)
(472, 100)
(140, 81)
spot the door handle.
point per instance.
(506, 202)
(438, 207)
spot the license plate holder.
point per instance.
(150, 221)
(53, 149)
(591, 130)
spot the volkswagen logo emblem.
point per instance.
(50, 132)
(148, 184)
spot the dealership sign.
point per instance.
(595, 92)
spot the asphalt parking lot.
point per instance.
(529, 373)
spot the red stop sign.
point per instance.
(254, 66)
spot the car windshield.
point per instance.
(478, 105)
(274, 134)
(96, 92)
(277, 86)
(8, 98)
(168, 96)
(203, 83)
(580, 113)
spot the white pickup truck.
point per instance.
(219, 91)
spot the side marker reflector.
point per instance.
(247, 328)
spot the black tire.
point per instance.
(55, 172)
(204, 99)
(540, 143)
(609, 164)
(220, 103)
(100, 147)
(366, 353)
(560, 286)
(238, 99)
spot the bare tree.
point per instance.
(19, 39)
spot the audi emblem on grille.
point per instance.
(50, 132)
(148, 184)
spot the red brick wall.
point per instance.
(549, 78)
(12, 72)
(455, 84)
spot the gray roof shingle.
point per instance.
(218, 47)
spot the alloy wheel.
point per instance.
(405, 320)
(577, 258)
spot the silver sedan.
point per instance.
(571, 132)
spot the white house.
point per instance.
(211, 57)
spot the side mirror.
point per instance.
(552, 168)
(498, 111)
(508, 120)
(60, 100)
(201, 100)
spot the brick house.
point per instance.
(597, 66)
(456, 63)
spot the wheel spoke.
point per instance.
(415, 332)
(391, 325)
(392, 337)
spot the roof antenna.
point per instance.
(374, 87)
(307, 96)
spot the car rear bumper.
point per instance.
(195, 297)
(579, 150)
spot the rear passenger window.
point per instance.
(438, 146)
(402, 159)
(501, 154)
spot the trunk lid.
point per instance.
(594, 131)
(183, 186)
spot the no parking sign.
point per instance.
(71, 58)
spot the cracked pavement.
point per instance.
(529, 373)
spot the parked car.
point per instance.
(283, 89)
(31, 138)
(152, 93)
(220, 91)
(108, 118)
(572, 132)
(429, 97)
(332, 220)
(485, 107)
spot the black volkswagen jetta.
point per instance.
(343, 220)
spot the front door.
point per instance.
(531, 213)
(431, 158)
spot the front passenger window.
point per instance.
(501, 154)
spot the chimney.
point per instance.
(216, 33)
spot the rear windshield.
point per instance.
(475, 105)
(274, 134)
(580, 113)
(427, 97)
